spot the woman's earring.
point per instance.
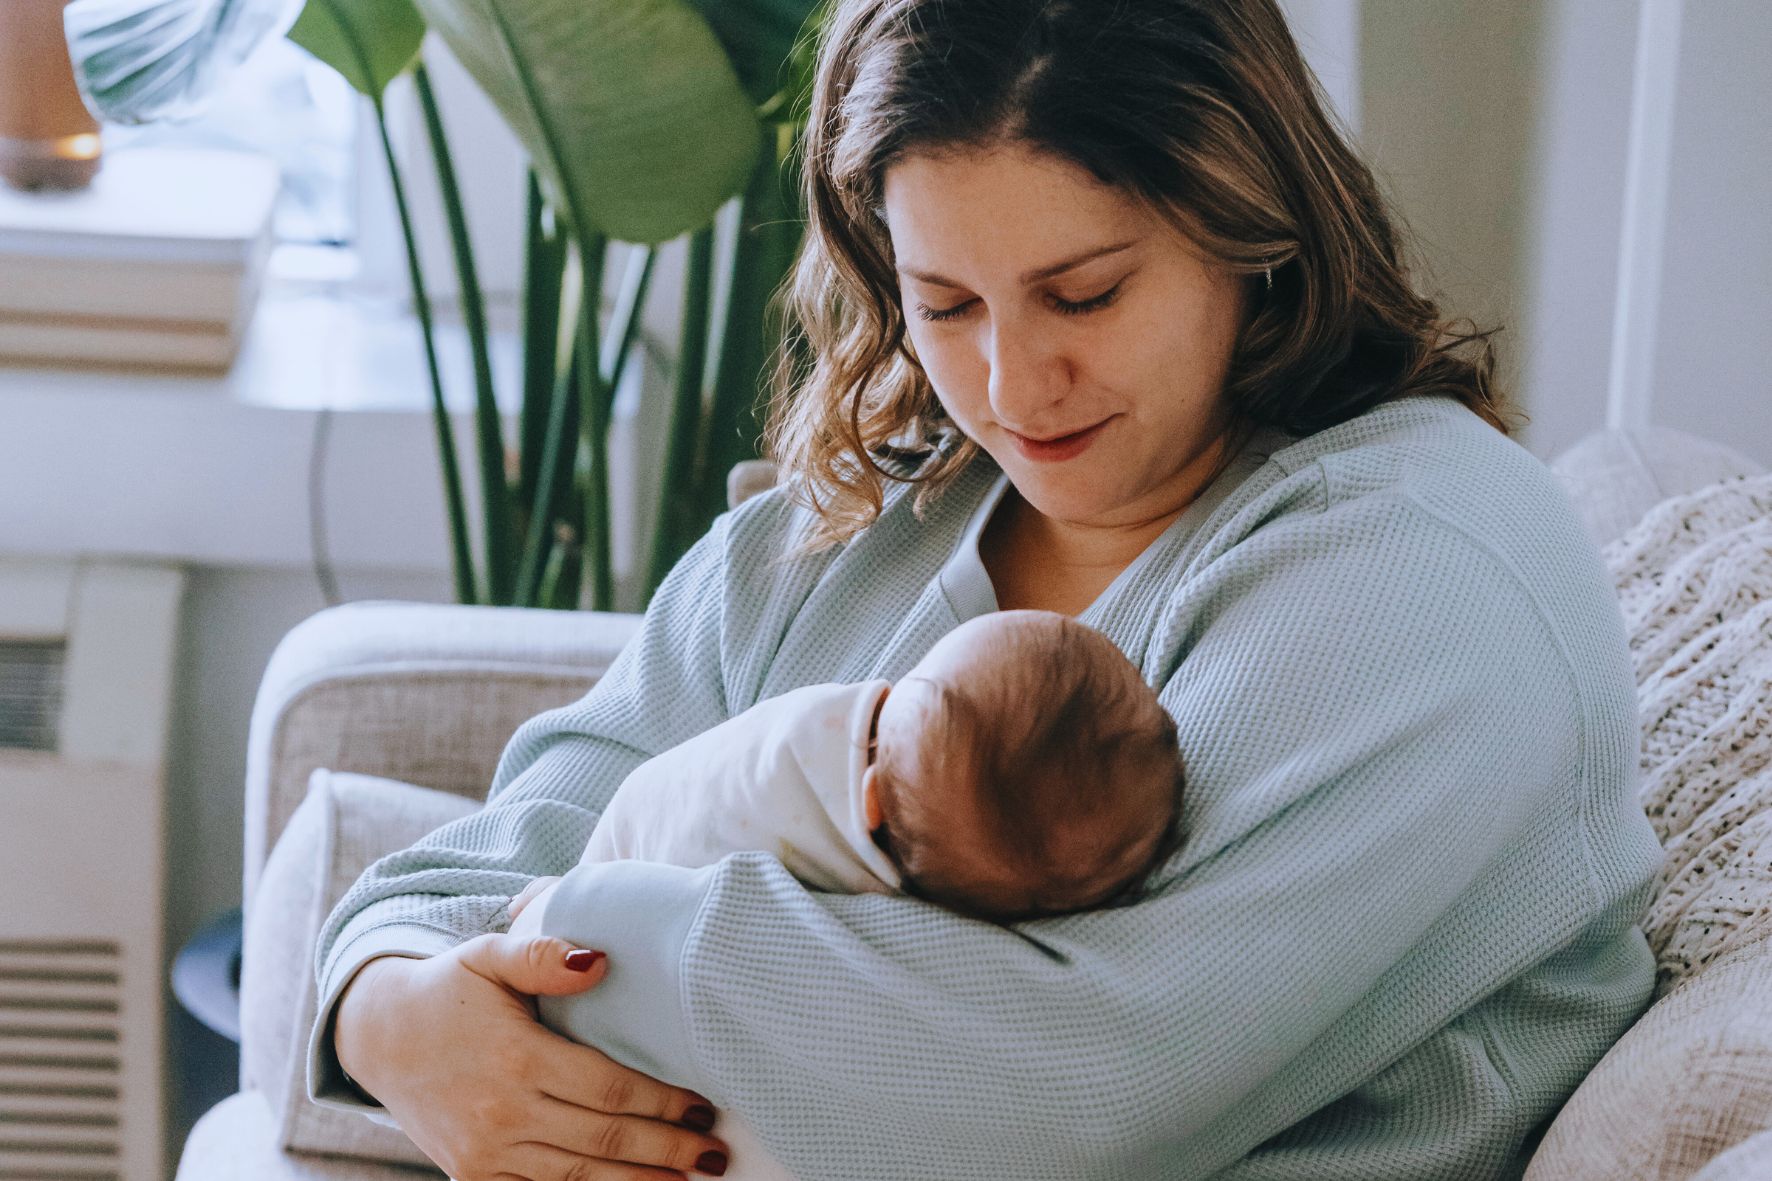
(1269, 272)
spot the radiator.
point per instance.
(86, 665)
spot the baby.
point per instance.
(1022, 768)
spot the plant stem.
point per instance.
(549, 591)
(594, 427)
(495, 494)
(768, 235)
(594, 419)
(544, 259)
(458, 522)
(565, 400)
(558, 447)
(624, 325)
(676, 504)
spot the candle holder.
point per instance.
(48, 139)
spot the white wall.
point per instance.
(1451, 94)
(1715, 322)
(1501, 129)
(1574, 217)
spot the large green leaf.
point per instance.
(630, 109)
(758, 36)
(370, 42)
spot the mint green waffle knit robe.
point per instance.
(1401, 928)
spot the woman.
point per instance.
(1106, 319)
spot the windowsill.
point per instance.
(214, 468)
(311, 345)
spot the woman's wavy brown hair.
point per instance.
(1201, 109)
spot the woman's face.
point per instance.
(1077, 337)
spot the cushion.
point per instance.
(1689, 1087)
(1614, 476)
(1693, 562)
(345, 822)
(1690, 1080)
(1694, 580)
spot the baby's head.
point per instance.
(1024, 768)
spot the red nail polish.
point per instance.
(582, 960)
(698, 1118)
(711, 1163)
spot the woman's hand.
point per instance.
(451, 1046)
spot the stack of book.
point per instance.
(158, 264)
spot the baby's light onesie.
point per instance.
(783, 777)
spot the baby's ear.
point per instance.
(870, 799)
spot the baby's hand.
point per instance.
(524, 903)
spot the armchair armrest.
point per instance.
(422, 693)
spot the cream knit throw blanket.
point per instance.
(1694, 581)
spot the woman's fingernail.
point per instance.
(711, 1163)
(582, 960)
(698, 1118)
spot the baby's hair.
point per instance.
(1068, 767)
